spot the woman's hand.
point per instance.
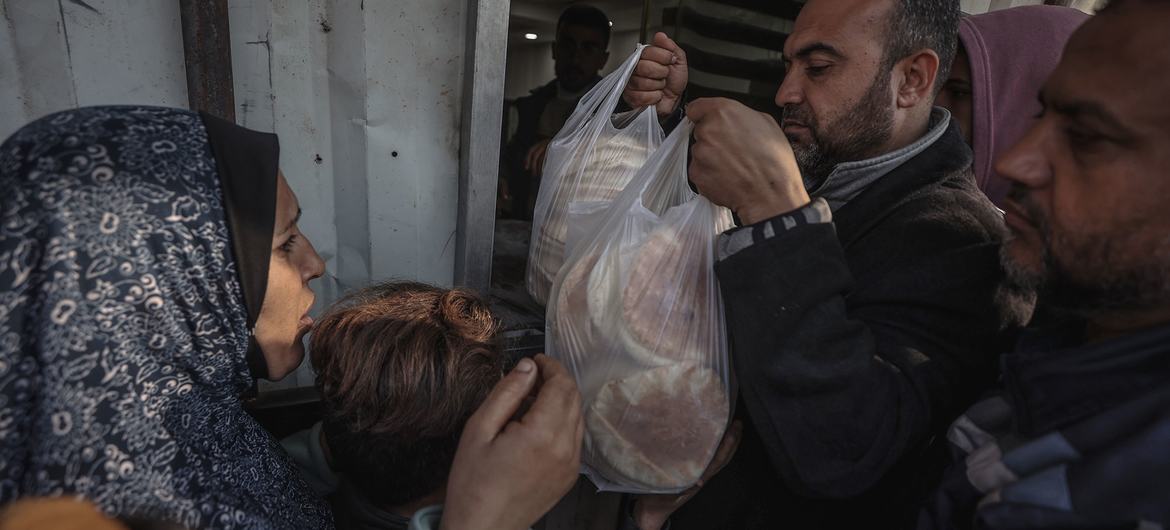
(509, 472)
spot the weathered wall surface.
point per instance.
(56, 55)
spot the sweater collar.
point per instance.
(849, 179)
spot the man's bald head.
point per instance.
(902, 26)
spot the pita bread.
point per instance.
(573, 303)
(659, 428)
(597, 175)
(605, 291)
(666, 301)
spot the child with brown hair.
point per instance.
(401, 366)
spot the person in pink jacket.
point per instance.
(1003, 59)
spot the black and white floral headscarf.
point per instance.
(124, 327)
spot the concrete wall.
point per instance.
(365, 96)
(56, 55)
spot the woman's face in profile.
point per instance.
(284, 318)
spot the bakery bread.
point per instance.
(666, 302)
(572, 307)
(593, 175)
(657, 429)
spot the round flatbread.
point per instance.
(604, 290)
(666, 302)
(604, 173)
(572, 317)
(657, 429)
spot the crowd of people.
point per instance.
(948, 303)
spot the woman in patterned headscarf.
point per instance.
(150, 269)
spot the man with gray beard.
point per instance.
(861, 131)
(864, 296)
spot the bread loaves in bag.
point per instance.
(658, 428)
(666, 305)
(604, 172)
(572, 308)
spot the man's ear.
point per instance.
(918, 73)
(553, 47)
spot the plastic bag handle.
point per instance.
(605, 94)
(672, 148)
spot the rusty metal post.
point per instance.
(207, 49)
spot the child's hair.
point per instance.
(401, 366)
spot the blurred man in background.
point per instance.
(580, 51)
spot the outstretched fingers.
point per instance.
(502, 403)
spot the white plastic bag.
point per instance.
(636, 316)
(590, 160)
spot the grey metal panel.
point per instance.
(483, 94)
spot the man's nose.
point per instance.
(1025, 164)
(790, 92)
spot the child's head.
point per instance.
(400, 367)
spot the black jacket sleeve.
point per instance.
(842, 373)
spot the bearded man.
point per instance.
(1078, 435)
(864, 296)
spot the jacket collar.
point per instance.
(948, 157)
(849, 179)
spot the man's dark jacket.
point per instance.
(521, 185)
(855, 343)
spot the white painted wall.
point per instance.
(56, 54)
(344, 83)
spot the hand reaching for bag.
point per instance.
(652, 511)
(507, 472)
(742, 160)
(660, 77)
